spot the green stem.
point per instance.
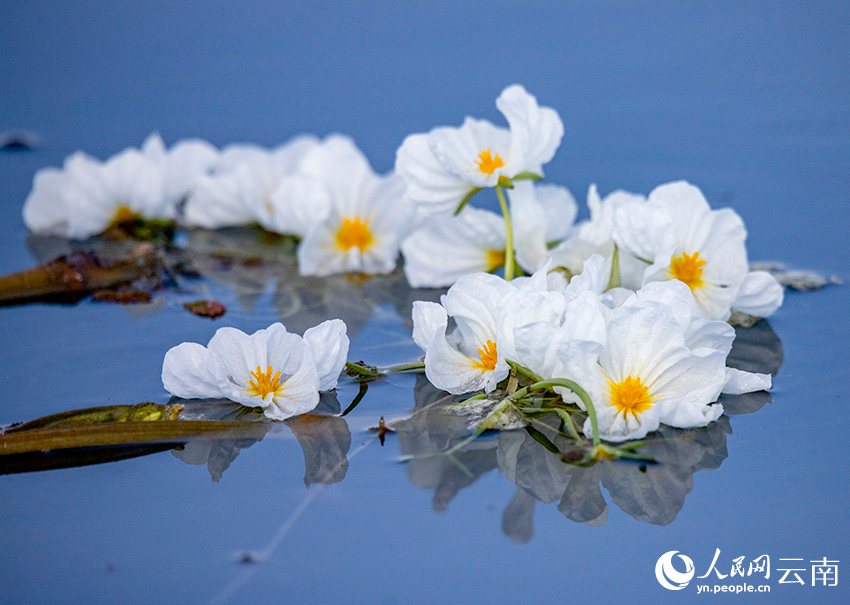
(358, 369)
(364, 386)
(527, 176)
(466, 199)
(509, 232)
(575, 388)
(521, 369)
(417, 366)
(568, 423)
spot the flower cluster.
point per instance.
(87, 196)
(351, 220)
(672, 234)
(642, 358)
(623, 315)
(273, 369)
(348, 218)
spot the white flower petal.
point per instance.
(428, 319)
(188, 371)
(760, 295)
(328, 343)
(445, 248)
(536, 131)
(739, 382)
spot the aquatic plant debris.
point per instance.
(206, 308)
(77, 274)
(797, 279)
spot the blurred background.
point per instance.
(748, 101)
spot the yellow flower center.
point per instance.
(495, 259)
(354, 233)
(688, 268)
(630, 396)
(487, 163)
(487, 357)
(124, 215)
(264, 383)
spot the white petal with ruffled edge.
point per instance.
(328, 343)
(445, 248)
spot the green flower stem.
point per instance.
(575, 388)
(527, 176)
(417, 366)
(362, 372)
(524, 371)
(509, 231)
(466, 199)
(460, 404)
(568, 423)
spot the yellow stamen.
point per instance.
(487, 163)
(495, 260)
(488, 357)
(688, 268)
(630, 396)
(354, 233)
(124, 215)
(264, 382)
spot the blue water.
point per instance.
(750, 102)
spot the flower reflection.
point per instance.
(253, 263)
(325, 441)
(324, 437)
(651, 493)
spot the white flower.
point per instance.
(273, 369)
(646, 373)
(245, 183)
(469, 359)
(664, 363)
(367, 216)
(446, 247)
(87, 196)
(444, 165)
(678, 233)
(595, 236)
(182, 165)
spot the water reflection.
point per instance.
(198, 432)
(651, 493)
(251, 262)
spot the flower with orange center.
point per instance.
(296, 368)
(87, 196)
(487, 357)
(264, 383)
(449, 165)
(367, 217)
(687, 268)
(471, 358)
(488, 163)
(354, 233)
(630, 396)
